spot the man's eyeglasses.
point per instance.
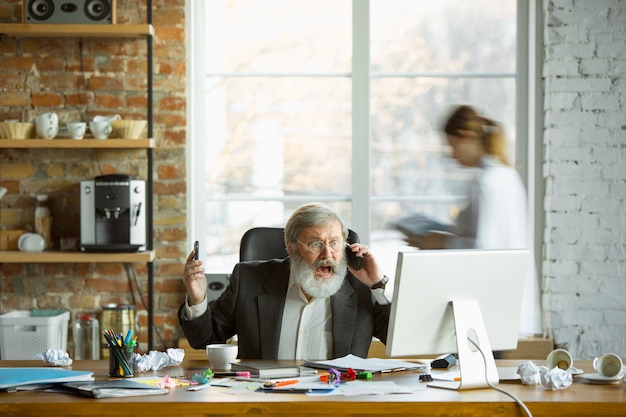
(318, 246)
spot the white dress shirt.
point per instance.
(308, 324)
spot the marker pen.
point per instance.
(243, 374)
(270, 384)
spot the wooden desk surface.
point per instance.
(581, 399)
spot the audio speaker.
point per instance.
(70, 11)
(216, 284)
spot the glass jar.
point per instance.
(86, 337)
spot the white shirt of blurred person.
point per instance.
(496, 216)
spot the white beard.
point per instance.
(304, 275)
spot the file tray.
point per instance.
(26, 333)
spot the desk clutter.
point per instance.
(192, 382)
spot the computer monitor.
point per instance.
(444, 298)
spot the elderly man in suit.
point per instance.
(311, 305)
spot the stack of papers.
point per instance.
(373, 365)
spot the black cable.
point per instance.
(130, 271)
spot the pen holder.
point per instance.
(122, 361)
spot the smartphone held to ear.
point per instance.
(353, 260)
(196, 248)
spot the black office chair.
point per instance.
(264, 243)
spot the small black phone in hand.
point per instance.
(196, 248)
(353, 260)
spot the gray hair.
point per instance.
(311, 215)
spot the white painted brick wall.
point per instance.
(584, 269)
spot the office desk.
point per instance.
(581, 399)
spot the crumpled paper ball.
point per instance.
(529, 373)
(553, 379)
(155, 360)
(55, 357)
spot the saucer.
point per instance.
(599, 379)
(575, 371)
(31, 242)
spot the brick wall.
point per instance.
(584, 268)
(38, 75)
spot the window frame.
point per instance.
(528, 118)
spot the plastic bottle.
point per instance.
(43, 219)
(86, 337)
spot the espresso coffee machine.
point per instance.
(112, 214)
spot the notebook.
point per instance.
(267, 368)
(114, 388)
(418, 224)
(16, 377)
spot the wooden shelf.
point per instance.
(143, 32)
(85, 31)
(73, 143)
(17, 257)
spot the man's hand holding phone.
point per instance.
(194, 278)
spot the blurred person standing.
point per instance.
(496, 216)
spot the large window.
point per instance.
(338, 101)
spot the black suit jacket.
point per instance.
(252, 308)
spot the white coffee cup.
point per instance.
(101, 129)
(76, 130)
(47, 125)
(220, 355)
(608, 365)
(560, 358)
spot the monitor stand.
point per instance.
(469, 324)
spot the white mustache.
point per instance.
(325, 262)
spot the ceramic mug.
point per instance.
(220, 355)
(76, 130)
(560, 358)
(608, 365)
(47, 125)
(101, 129)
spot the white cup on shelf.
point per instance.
(76, 130)
(100, 129)
(47, 125)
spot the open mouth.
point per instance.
(323, 271)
